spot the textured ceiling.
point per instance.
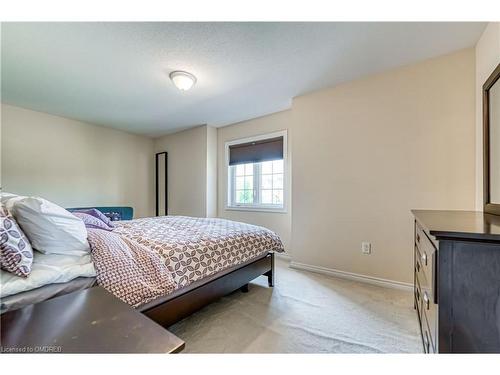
(116, 74)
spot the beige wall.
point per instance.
(187, 167)
(74, 163)
(487, 58)
(366, 152)
(279, 222)
(191, 171)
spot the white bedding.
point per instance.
(47, 269)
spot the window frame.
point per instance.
(231, 178)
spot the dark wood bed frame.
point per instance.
(173, 307)
(182, 303)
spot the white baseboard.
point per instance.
(283, 256)
(353, 276)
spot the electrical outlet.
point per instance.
(366, 248)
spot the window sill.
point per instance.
(256, 209)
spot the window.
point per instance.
(256, 173)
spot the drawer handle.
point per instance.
(423, 257)
(418, 238)
(418, 267)
(426, 300)
(426, 342)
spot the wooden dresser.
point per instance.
(457, 281)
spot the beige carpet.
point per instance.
(305, 313)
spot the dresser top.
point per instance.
(472, 225)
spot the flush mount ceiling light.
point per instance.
(182, 80)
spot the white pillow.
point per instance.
(4, 196)
(50, 228)
(8, 199)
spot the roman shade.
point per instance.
(256, 151)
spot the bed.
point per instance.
(169, 267)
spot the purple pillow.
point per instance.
(97, 214)
(92, 221)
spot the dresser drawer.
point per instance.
(425, 282)
(426, 250)
(426, 337)
(429, 314)
(426, 308)
(418, 299)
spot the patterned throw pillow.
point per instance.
(92, 222)
(16, 253)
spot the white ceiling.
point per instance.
(116, 74)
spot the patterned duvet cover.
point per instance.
(143, 259)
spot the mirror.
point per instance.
(491, 119)
(161, 184)
(495, 143)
